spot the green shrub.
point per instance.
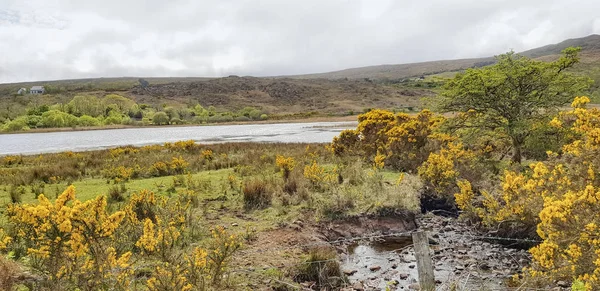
(86, 120)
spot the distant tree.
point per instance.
(122, 104)
(160, 118)
(171, 112)
(86, 120)
(56, 118)
(85, 105)
(508, 97)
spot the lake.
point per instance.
(49, 142)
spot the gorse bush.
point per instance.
(399, 141)
(81, 245)
(72, 242)
(285, 165)
(557, 201)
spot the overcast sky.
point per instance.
(57, 39)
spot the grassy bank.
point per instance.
(245, 195)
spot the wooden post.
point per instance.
(424, 264)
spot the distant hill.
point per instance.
(347, 91)
(590, 53)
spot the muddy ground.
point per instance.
(373, 257)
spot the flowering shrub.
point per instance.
(116, 152)
(72, 241)
(183, 145)
(318, 176)
(159, 169)
(207, 155)
(11, 160)
(121, 173)
(442, 169)
(286, 165)
(557, 200)
(404, 141)
(179, 165)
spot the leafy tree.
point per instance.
(160, 118)
(171, 112)
(113, 117)
(18, 124)
(121, 103)
(511, 95)
(84, 105)
(55, 118)
(86, 120)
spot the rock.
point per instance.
(484, 266)
(563, 284)
(394, 266)
(234, 224)
(412, 266)
(358, 286)
(403, 276)
(350, 272)
(375, 268)
(414, 286)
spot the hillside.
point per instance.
(590, 54)
(341, 92)
(270, 95)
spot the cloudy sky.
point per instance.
(57, 39)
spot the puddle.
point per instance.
(380, 263)
(458, 260)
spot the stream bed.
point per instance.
(460, 260)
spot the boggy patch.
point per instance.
(383, 223)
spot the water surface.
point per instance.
(36, 143)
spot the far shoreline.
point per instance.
(348, 118)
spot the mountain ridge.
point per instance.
(590, 48)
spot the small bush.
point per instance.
(321, 266)
(256, 194)
(116, 193)
(9, 273)
(16, 194)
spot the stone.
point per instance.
(358, 286)
(484, 266)
(414, 286)
(412, 266)
(403, 276)
(234, 224)
(563, 284)
(375, 268)
(350, 272)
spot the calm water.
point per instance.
(36, 143)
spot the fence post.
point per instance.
(424, 264)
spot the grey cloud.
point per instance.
(269, 37)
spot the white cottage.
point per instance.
(37, 90)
